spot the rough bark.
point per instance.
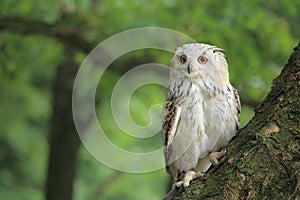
(64, 141)
(263, 161)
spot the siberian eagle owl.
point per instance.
(201, 113)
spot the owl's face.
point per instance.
(197, 61)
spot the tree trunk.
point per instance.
(64, 141)
(263, 161)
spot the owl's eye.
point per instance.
(202, 60)
(182, 58)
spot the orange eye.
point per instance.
(182, 58)
(202, 60)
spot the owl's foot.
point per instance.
(187, 178)
(214, 156)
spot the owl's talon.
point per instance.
(178, 184)
(214, 156)
(187, 178)
(215, 162)
(187, 184)
(202, 174)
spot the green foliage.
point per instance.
(26, 99)
(258, 37)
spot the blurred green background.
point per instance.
(42, 45)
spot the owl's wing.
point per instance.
(237, 105)
(171, 120)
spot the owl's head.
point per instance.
(197, 61)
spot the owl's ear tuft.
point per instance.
(219, 50)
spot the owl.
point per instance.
(201, 113)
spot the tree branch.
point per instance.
(248, 101)
(68, 36)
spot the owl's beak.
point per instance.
(189, 68)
